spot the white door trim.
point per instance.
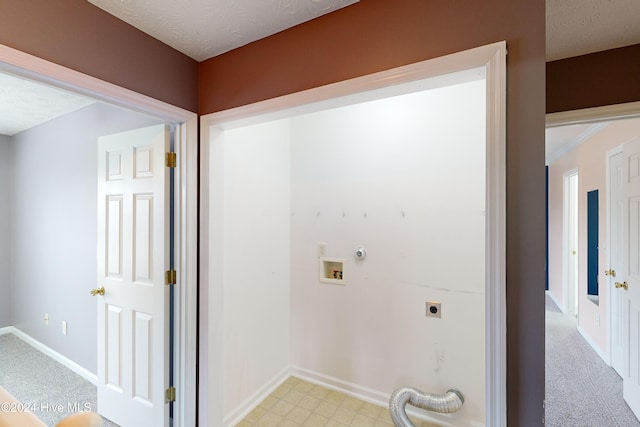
(593, 115)
(186, 202)
(493, 59)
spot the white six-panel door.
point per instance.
(630, 285)
(133, 222)
(616, 256)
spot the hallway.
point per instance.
(580, 390)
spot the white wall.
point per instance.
(256, 258)
(416, 166)
(54, 227)
(5, 203)
(403, 177)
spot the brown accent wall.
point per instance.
(80, 36)
(602, 78)
(375, 35)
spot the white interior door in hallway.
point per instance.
(616, 259)
(133, 254)
(570, 261)
(631, 286)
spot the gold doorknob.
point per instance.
(622, 285)
(99, 291)
(610, 272)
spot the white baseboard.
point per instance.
(252, 401)
(83, 372)
(593, 345)
(363, 393)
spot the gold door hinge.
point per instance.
(170, 395)
(171, 160)
(170, 277)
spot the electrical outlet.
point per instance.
(64, 327)
(433, 309)
(46, 318)
(598, 319)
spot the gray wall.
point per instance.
(54, 228)
(5, 185)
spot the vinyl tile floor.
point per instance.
(300, 403)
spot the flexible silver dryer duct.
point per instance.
(446, 403)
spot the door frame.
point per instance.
(608, 155)
(570, 292)
(185, 205)
(490, 57)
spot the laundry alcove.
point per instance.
(401, 172)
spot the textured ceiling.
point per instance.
(24, 104)
(205, 28)
(578, 27)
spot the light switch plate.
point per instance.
(322, 250)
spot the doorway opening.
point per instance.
(109, 101)
(593, 142)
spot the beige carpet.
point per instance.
(581, 390)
